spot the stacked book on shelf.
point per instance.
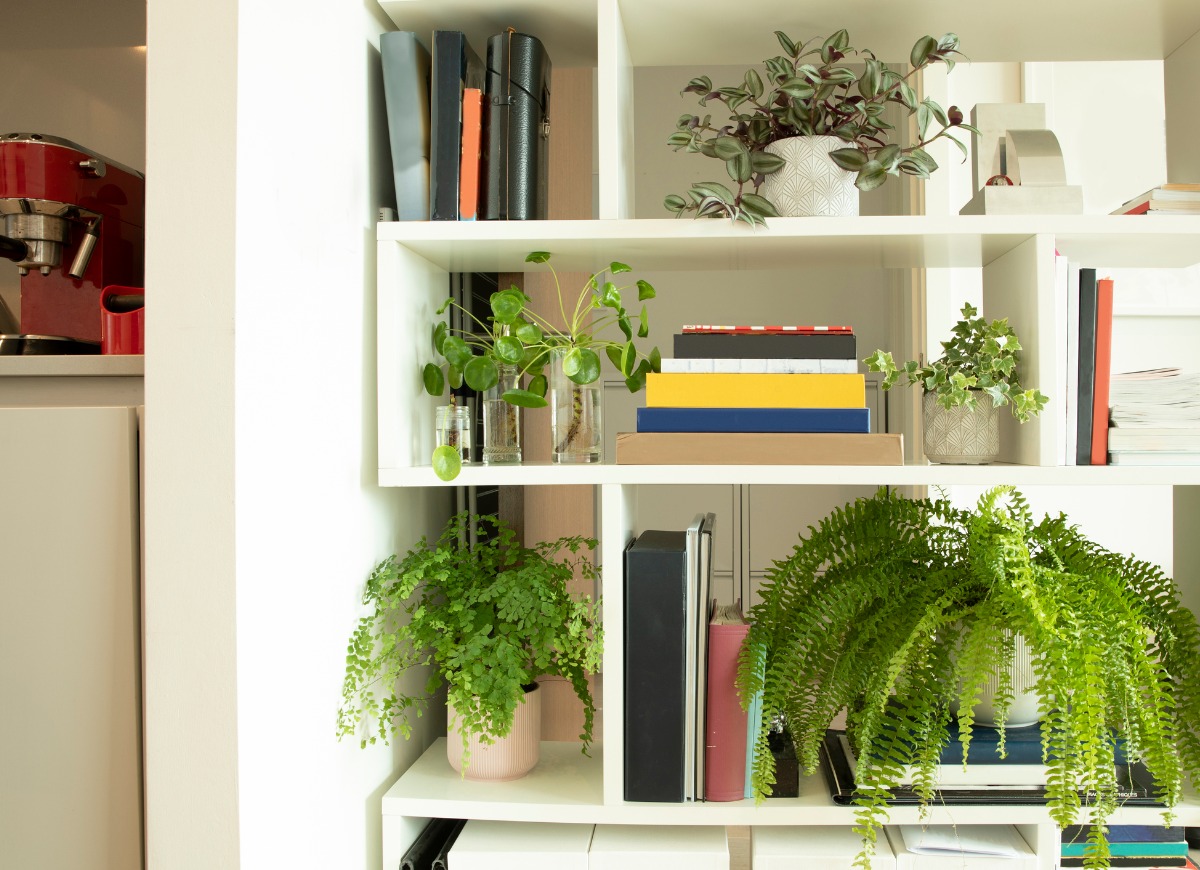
(1019, 777)
(468, 136)
(685, 729)
(735, 395)
(1155, 418)
(1146, 847)
(1165, 199)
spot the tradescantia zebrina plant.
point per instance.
(816, 88)
(894, 609)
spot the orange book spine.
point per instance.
(472, 137)
(1104, 324)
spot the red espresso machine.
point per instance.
(73, 222)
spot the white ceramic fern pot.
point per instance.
(1025, 709)
(961, 436)
(508, 757)
(810, 184)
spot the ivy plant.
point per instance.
(980, 358)
(894, 609)
(487, 620)
(812, 90)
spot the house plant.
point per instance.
(978, 362)
(489, 619)
(811, 97)
(563, 356)
(893, 608)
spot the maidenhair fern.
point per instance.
(899, 611)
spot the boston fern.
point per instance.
(822, 87)
(897, 609)
(489, 619)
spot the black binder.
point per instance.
(516, 128)
(432, 842)
(455, 66)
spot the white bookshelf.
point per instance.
(1013, 253)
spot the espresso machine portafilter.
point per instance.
(72, 221)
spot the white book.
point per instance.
(813, 847)
(1153, 457)
(1182, 439)
(960, 847)
(762, 366)
(1061, 292)
(973, 776)
(699, 568)
(653, 847)
(1071, 399)
(488, 845)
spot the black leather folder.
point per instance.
(516, 128)
(430, 844)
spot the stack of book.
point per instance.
(1018, 778)
(1165, 199)
(1146, 847)
(757, 395)
(467, 135)
(1155, 417)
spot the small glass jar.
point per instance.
(453, 423)
(502, 421)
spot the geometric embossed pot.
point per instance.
(506, 758)
(809, 183)
(959, 435)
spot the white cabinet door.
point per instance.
(70, 639)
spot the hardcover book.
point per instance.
(758, 448)
(656, 629)
(405, 62)
(472, 132)
(517, 137)
(725, 730)
(455, 66)
(715, 390)
(754, 420)
(1103, 369)
(1087, 366)
(751, 366)
(699, 345)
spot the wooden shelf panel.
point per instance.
(566, 787)
(547, 474)
(786, 243)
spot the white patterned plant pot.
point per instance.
(809, 183)
(961, 436)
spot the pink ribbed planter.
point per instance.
(509, 757)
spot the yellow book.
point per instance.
(719, 390)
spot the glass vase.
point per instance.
(502, 421)
(575, 416)
(453, 424)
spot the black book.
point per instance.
(1127, 834)
(516, 128)
(1087, 366)
(430, 843)
(455, 66)
(699, 345)
(1136, 786)
(656, 575)
(1149, 863)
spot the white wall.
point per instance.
(263, 515)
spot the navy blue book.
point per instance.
(754, 420)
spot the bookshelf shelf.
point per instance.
(566, 787)
(546, 474)
(895, 242)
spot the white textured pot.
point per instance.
(809, 183)
(961, 436)
(1025, 709)
(508, 757)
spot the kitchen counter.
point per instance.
(86, 380)
(81, 365)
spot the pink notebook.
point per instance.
(725, 740)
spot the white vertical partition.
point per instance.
(614, 75)
(410, 291)
(1020, 286)
(618, 516)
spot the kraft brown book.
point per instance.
(758, 448)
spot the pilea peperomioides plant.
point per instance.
(897, 609)
(981, 358)
(812, 90)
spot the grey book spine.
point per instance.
(405, 63)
